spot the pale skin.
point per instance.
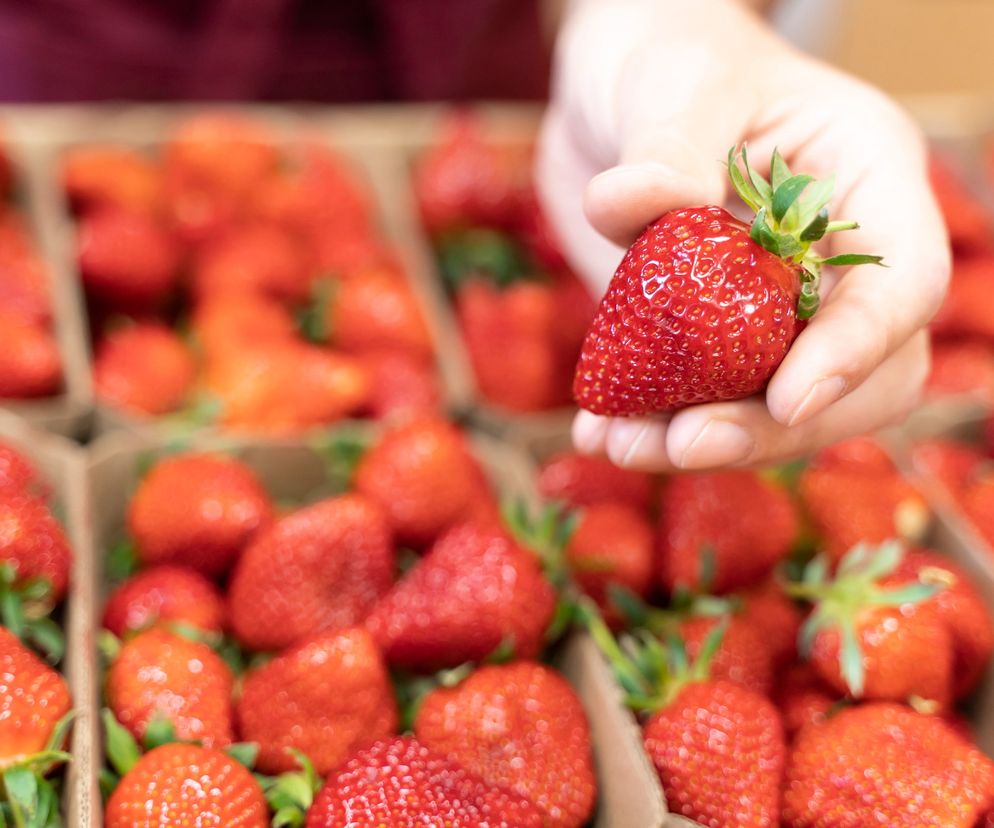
(648, 97)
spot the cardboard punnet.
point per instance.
(63, 466)
(629, 795)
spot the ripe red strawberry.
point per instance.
(961, 608)
(735, 523)
(885, 764)
(423, 475)
(163, 595)
(873, 633)
(126, 259)
(611, 544)
(252, 259)
(376, 309)
(962, 368)
(521, 727)
(180, 784)
(24, 274)
(803, 698)
(326, 697)
(778, 619)
(18, 475)
(33, 697)
(969, 222)
(977, 503)
(33, 544)
(703, 308)
(158, 674)
(111, 176)
(198, 510)
(964, 314)
(319, 568)
(850, 504)
(227, 323)
(31, 365)
(582, 481)
(144, 368)
(402, 387)
(743, 657)
(474, 591)
(401, 782)
(952, 464)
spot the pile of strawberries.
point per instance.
(243, 282)
(31, 366)
(35, 564)
(316, 633)
(790, 665)
(963, 330)
(522, 313)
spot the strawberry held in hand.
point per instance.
(704, 307)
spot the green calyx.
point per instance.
(791, 215)
(855, 588)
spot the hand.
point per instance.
(648, 97)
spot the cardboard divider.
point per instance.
(629, 793)
(63, 466)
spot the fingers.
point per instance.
(872, 311)
(743, 433)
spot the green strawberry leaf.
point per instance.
(763, 188)
(745, 189)
(119, 745)
(779, 171)
(47, 637)
(787, 193)
(816, 227)
(815, 200)
(122, 560)
(851, 659)
(159, 732)
(847, 259)
(312, 320)
(245, 753)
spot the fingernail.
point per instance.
(823, 393)
(719, 443)
(589, 432)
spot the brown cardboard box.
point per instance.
(63, 466)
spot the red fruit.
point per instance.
(178, 784)
(233, 323)
(254, 259)
(401, 782)
(768, 609)
(327, 698)
(376, 310)
(520, 727)
(743, 657)
(126, 259)
(31, 365)
(466, 180)
(583, 481)
(963, 611)
(856, 454)
(611, 544)
(18, 475)
(144, 368)
(33, 544)
(965, 313)
(108, 176)
(962, 368)
(423, 475)
(164, 595)
(198, 510)
(885, 764)
(474, 591)
(977, 503)
(33, 698)
(719, 752)
(158, 674)
(967, 219)
(24, 274)
(952, 464)
(743, 522)
(402, 387)
(803, 698)
(320, 568)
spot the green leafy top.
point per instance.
(791, 214)
(855, 587)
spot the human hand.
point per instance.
(648, 97)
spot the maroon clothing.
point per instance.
(322, 50)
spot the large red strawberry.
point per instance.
(403, 387)
(225, 323)
(582, 481)
(33, 544)
(319, 568)
(885, 764)
(111, 176)
(182, 784)
(400, 782)
(33, 698)
(722, 531)
(519, 726)
(326, 697)
(164, 595)
(144, 368)
(198, 510)
(703, 307)
(158, 674)
(31, 366)
(962, 368)
(474, 591)
(423, 475)
(17, 473)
